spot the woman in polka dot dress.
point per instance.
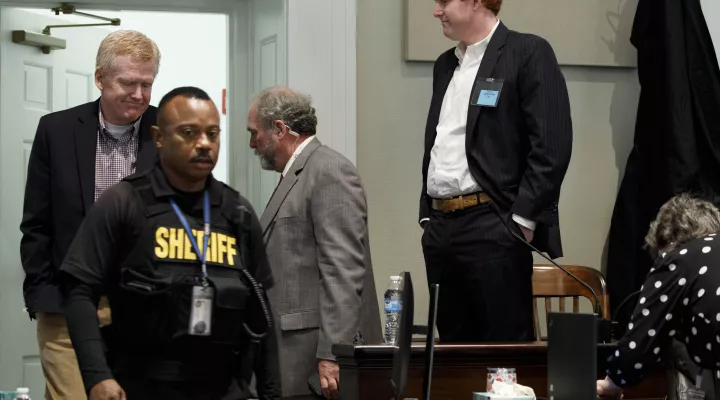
(680, 298)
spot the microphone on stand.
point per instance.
(604, 325)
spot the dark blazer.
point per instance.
(519, 151)
(59, 191)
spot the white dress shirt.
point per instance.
(295, 155)
(448, 173)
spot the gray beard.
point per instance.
(267, 163)
(267, 156)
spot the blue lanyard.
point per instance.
(698, 379)
(206, 227)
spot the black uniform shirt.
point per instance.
(111, 230)
(115, 222)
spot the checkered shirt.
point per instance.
(115, 158)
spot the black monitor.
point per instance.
(572, 356)
(401, 355)
(430, 340)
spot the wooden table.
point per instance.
(460, 369)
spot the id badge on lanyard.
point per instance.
(201, 305)
(694, 393)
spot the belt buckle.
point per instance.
(445, 205)
(449, 204)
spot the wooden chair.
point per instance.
(550, 282)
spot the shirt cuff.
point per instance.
(611, 383)
(424, 220)
(524, 222)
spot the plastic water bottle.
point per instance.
(393, 308)
(23, 394)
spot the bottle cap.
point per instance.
(395, 277)
(23, 390)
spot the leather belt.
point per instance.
(460, 202)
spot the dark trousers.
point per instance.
(484, 273)
(146, 389)
(218, 386)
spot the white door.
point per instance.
(270, 68)
(32, 84)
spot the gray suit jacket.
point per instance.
(316, 235)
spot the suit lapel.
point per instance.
(147, 152)
(287, 183)
(490, 58)
(85, 149)
(440, 86)
(444, 82)
(277, 199)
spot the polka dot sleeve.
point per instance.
(655, 321)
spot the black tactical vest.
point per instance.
(151, 302)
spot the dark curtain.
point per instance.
(677, 134)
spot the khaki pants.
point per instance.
(59, 363)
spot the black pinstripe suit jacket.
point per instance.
(519, 151)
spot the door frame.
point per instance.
(339, 89)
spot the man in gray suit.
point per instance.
(315, 230)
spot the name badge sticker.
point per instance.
(486, 92)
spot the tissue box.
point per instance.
(8, 395)
(492, 396)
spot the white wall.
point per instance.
(711, 10)
(329, 76)
(270, 42)
(193, 51)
